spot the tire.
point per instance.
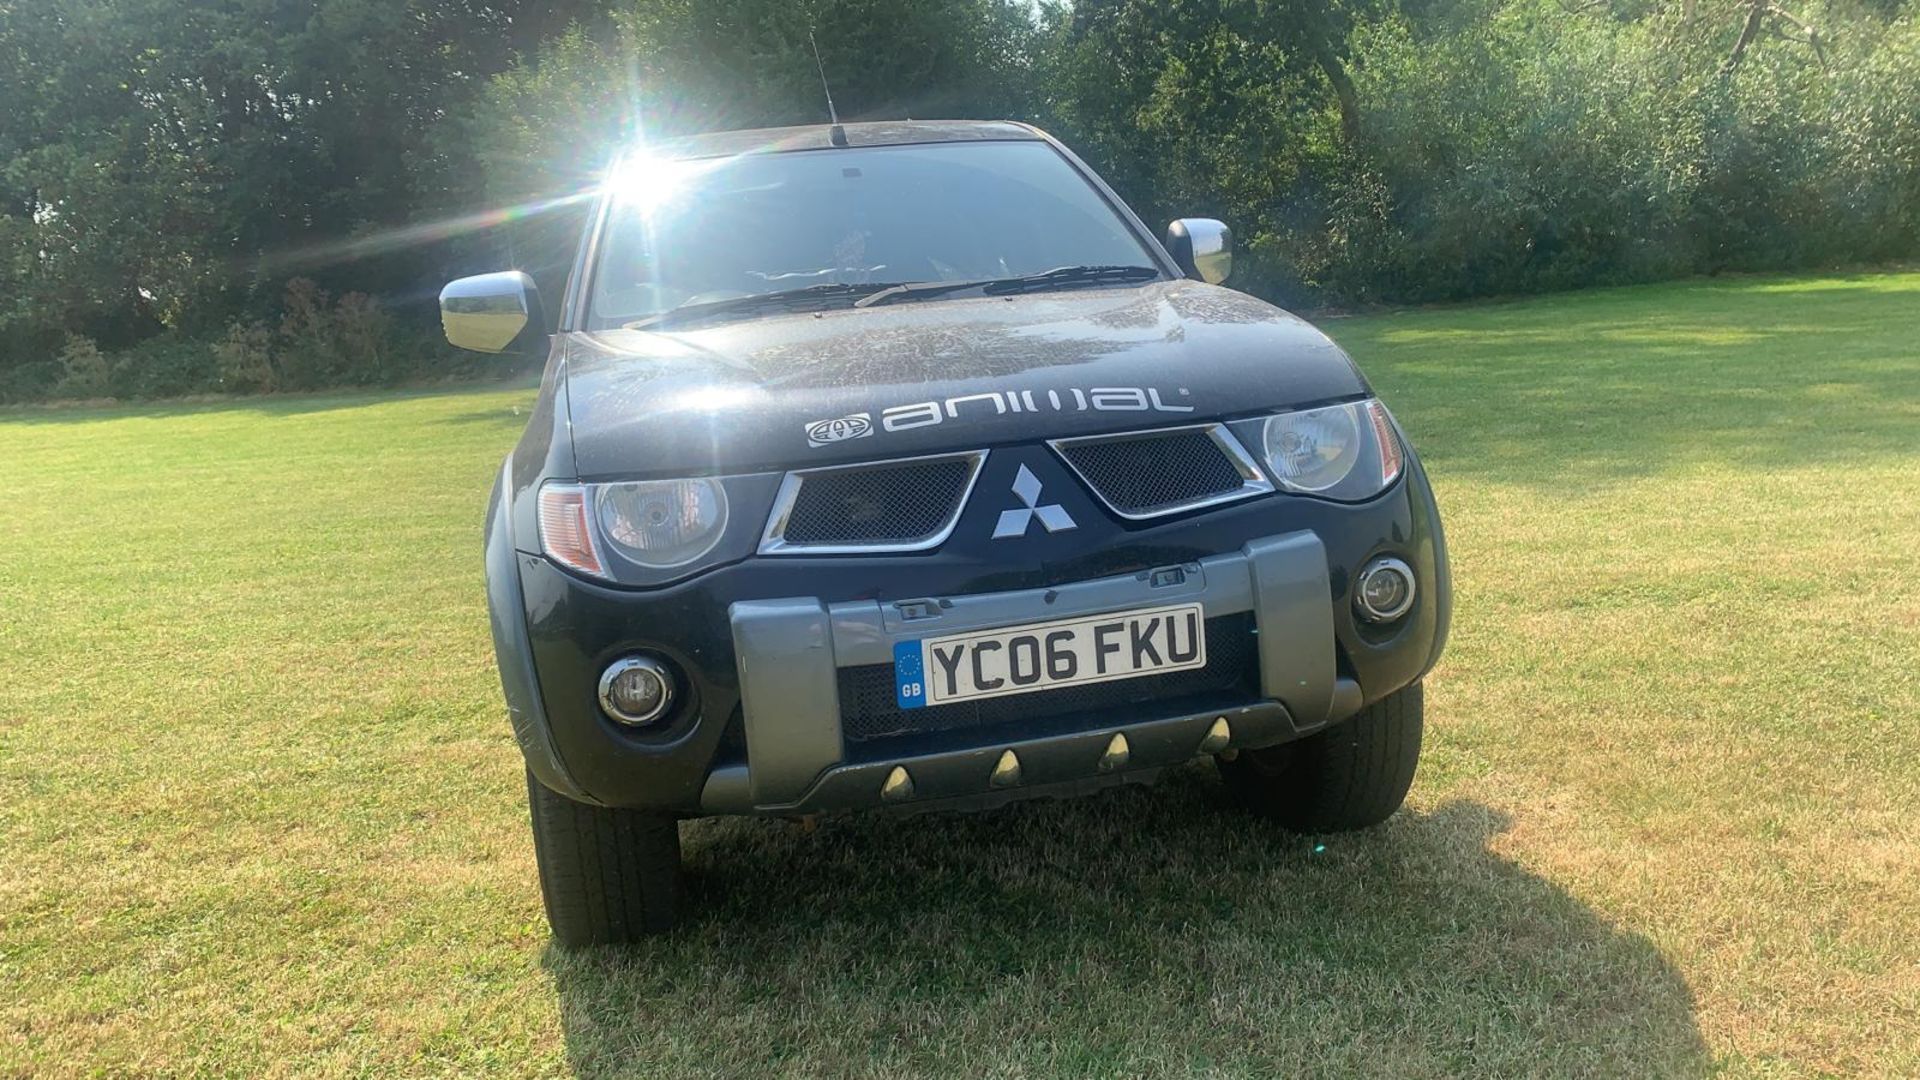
(608, 876)
(1351, 776)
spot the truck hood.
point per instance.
(804, 389)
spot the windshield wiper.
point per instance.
(828, 290)
(881, 292)
(1070, 275)
(916, 290)
(1060, 277)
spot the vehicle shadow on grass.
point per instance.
(1145, 931)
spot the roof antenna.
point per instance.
(836, 134)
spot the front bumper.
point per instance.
(789, 654)
(759, 728)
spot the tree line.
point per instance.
(250, 195)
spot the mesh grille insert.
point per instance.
(869, 709)
(878, 504)
(1148, 473)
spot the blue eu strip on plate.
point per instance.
(909, 681)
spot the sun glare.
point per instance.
(644, 182)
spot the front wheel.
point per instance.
(1350, 776)
(607, 875)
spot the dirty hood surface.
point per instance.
(795, 390)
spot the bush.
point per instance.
(317, 342)
(1501, 147)
(84, 370)
(322, 342)
(244, 359)
(34, 380)
(1875, 117)
(171, 365)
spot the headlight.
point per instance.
(654, 524)
(662, 523)
(1339, 451)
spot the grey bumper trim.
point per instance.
(1059, 764)
(789, 693)
(789, 651)
(1294, 609)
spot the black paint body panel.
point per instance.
(739, 396)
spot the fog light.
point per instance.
(1384, 591)
(635, 690)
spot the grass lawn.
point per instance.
(260, 811)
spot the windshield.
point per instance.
(695, 232)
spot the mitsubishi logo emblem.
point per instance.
(1053, 516)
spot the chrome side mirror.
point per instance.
(1203, 247)
(493, 313)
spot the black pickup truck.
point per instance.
(898, 465)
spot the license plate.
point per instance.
(1049, 655)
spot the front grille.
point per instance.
(869, 709)
(1147, 474)
(897, 504)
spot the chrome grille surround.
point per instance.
(1139, 474)
(791, 511)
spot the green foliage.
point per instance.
(316, 341)
(166, 165)
(84, 371)
(169, 365)
(168, 168)
(243, 360)
(550, 124)
(1498, 148)
(327, 342)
